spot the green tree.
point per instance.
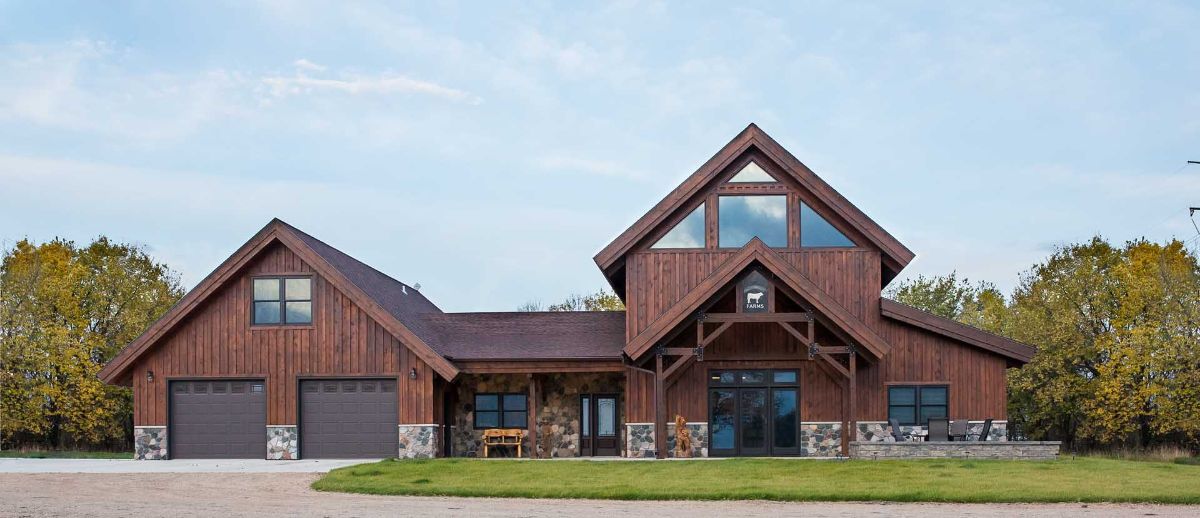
(602, 300)
(64, 312)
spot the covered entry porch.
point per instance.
(757, 359)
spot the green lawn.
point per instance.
(64, 454)
(1066, 480)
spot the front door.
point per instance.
(753, 413)
(598, 425)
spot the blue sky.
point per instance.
(488, 150)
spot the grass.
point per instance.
(1084, 479)
(64, 454)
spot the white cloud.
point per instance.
(305, 64)
(382, 85)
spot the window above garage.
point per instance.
(281, 301)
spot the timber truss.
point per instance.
(842, 373)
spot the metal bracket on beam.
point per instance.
(813, 349)
(852, 348)
(659, 350)
(699, 352)
(701, 316)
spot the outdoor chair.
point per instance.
(958, 430)
(896, 433)
(939, 429)
(985, 431)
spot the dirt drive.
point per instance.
(288, 494)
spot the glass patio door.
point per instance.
(757, 416)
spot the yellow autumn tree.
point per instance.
(64, 312)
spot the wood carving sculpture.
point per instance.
(683, 438)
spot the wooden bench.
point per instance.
(501, 437)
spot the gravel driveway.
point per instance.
(275, 494)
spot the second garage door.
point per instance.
(342, 419)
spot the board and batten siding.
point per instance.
(657, 279)
(217, 341)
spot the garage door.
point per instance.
(218, 420)
(342, 419)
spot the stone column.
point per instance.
(283, 442)
(150, 442)
(418, 441)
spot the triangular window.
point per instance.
(688, 233)
(815, 231)
(752, 173)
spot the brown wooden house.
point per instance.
(753, 311)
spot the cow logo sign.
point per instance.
(754, 293)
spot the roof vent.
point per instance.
(417, 286)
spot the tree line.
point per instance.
(1116, 330)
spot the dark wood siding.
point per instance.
(655, 280)
(218, 341)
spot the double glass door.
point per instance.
(598, 425)
(753, 413)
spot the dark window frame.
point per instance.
(500, 411)
(768, 378)
(281, 301)
(918, 403)
(787, 224)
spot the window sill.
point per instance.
(276, 327)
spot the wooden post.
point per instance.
(853, 394)
(532, 417)
(660, 409)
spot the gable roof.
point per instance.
(894, 254)
(824, 304)
(524, 336)
(388, 301)
(948, 328)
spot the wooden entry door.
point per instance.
(598, 425)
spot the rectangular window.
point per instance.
(282, 300)
(742, 218)
(915, 405)
(501, 411)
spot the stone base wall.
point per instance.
(150, 442)
(558, 410)
(880, 431)
(283, 442)
(639, 440)
(1004, 450)
(418, 441)
(820, 439)
(699, 433)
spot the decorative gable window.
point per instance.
(282, 300)
(816, 231)
(688, 233)
(752, 173)
(742, 218)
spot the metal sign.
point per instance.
(755, 293)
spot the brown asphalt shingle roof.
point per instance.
(529, 335)
(469, 336)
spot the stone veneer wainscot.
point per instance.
(150, 442)
(418, 441)
(283, 442)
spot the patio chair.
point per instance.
(985, 431)
(896, 433)
(939, 429)
(958, 430)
